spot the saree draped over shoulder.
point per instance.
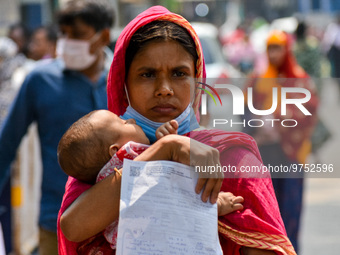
(259, 225)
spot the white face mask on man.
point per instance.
(76, 53)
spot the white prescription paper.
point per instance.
(160, 213)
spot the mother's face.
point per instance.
(160, 82)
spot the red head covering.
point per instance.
(116, 79)
(289, 68)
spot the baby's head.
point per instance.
(91, 141)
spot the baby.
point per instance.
(96, 145)
(90, 143)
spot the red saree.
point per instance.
(259, 225)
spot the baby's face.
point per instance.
(123, 130)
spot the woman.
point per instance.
(287, 146)
(156, 59)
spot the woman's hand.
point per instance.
(206, 161)
(190, 152)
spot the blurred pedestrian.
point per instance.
(43, 43)
(20, 34)
(331, 46)
(307, 51)
(10, 61)
(309, 57)
(56, 95)
(41, 50)
(281, 145)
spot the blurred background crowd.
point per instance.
(234, 40)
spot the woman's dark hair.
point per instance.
(162, 31)
(95, 13)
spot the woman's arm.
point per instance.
(97, 207)
(93, 210)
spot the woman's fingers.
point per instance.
(215, 191)
(211, 187)
(208, 189)
(206, 161)
(200, 185)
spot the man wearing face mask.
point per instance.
(57, 94)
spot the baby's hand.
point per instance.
(227, 203)
(167, 128)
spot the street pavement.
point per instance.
(320, 223)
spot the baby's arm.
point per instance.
(227, 203)
(167, 128)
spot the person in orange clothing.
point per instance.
(281, 145)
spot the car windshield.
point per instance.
(208, 57)
(212, 50)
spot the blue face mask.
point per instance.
(186, 122)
